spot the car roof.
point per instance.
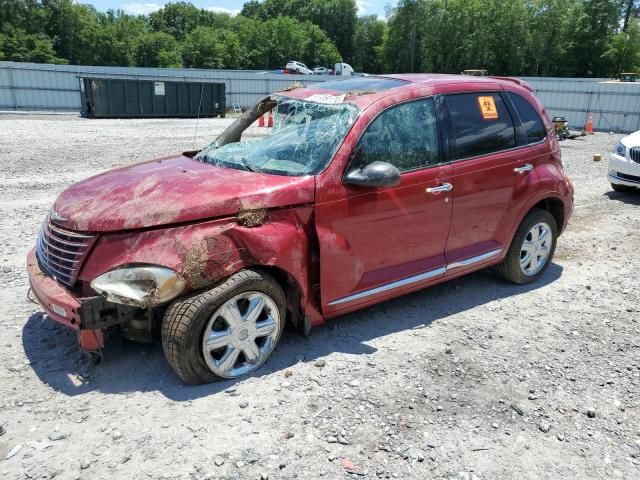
(365, 90)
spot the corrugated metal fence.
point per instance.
(615, 106)
(32, 86)
(29, 86)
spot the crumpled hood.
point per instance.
(172, 190)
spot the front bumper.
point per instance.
(57, 302)
(614, 177)
(623, 171)
(89, 316)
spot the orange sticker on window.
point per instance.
(488, 108)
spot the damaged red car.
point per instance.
(367, 188)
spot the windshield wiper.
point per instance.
(241, 162)
(248, 166)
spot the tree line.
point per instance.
(507, 37)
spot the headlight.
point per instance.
(620, 149)
(139, 286)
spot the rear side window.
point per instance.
(481, 122)
(533, 127)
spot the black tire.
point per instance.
(185, 320)
(622, 188)
(510, 267)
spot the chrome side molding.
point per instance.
(391, 286)
(417, 278)
(470, 261)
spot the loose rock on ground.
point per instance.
(384, 379)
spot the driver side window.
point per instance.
(405, 136)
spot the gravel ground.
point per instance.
(473, 379)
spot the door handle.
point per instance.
(527, 167)
(445, 187)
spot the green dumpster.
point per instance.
(124, 98)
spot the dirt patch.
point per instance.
(359, 93)
(194, 266)
(252, 218)
(293, 86)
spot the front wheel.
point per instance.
(531, 249)
(226, 332)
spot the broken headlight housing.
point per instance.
(139, 286)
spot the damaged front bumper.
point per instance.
(89, 316)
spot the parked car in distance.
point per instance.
(322, 71)
(624, 164)
(368, 188)
(298, 67)
(343, 69)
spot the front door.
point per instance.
(380, 242)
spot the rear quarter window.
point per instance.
(531, 122)
(481, 123)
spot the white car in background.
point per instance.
(322, 71)
(624, 164)
(298, 67)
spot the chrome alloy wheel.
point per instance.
(535, 249)
(241, 334)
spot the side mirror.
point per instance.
(376, 174)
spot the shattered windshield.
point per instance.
(303, 140)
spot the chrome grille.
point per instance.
(60, 252)
(634, 154)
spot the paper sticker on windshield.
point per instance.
(488, 108)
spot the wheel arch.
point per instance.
(550, 202)
(555, 206)
(292, 291)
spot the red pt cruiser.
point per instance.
(367, 189)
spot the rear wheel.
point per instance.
(622, 188)
(531, 249)
(226, 332)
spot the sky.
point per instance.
(365, 7)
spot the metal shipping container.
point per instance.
(122, 98)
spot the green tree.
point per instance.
(629, 8)
(206, 47)
(72, 28)
(176, 19)
(601, 22)
(319, 50)
(400, 50)
(157, 49)
(287, 39)
(28, 15)
(250, 34)
(623, 51)
(368, 41)
(19, 46)
(552, 40)
(336, 17)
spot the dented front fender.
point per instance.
(207, 252)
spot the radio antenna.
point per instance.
(195, 134)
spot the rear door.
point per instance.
(491, 175)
